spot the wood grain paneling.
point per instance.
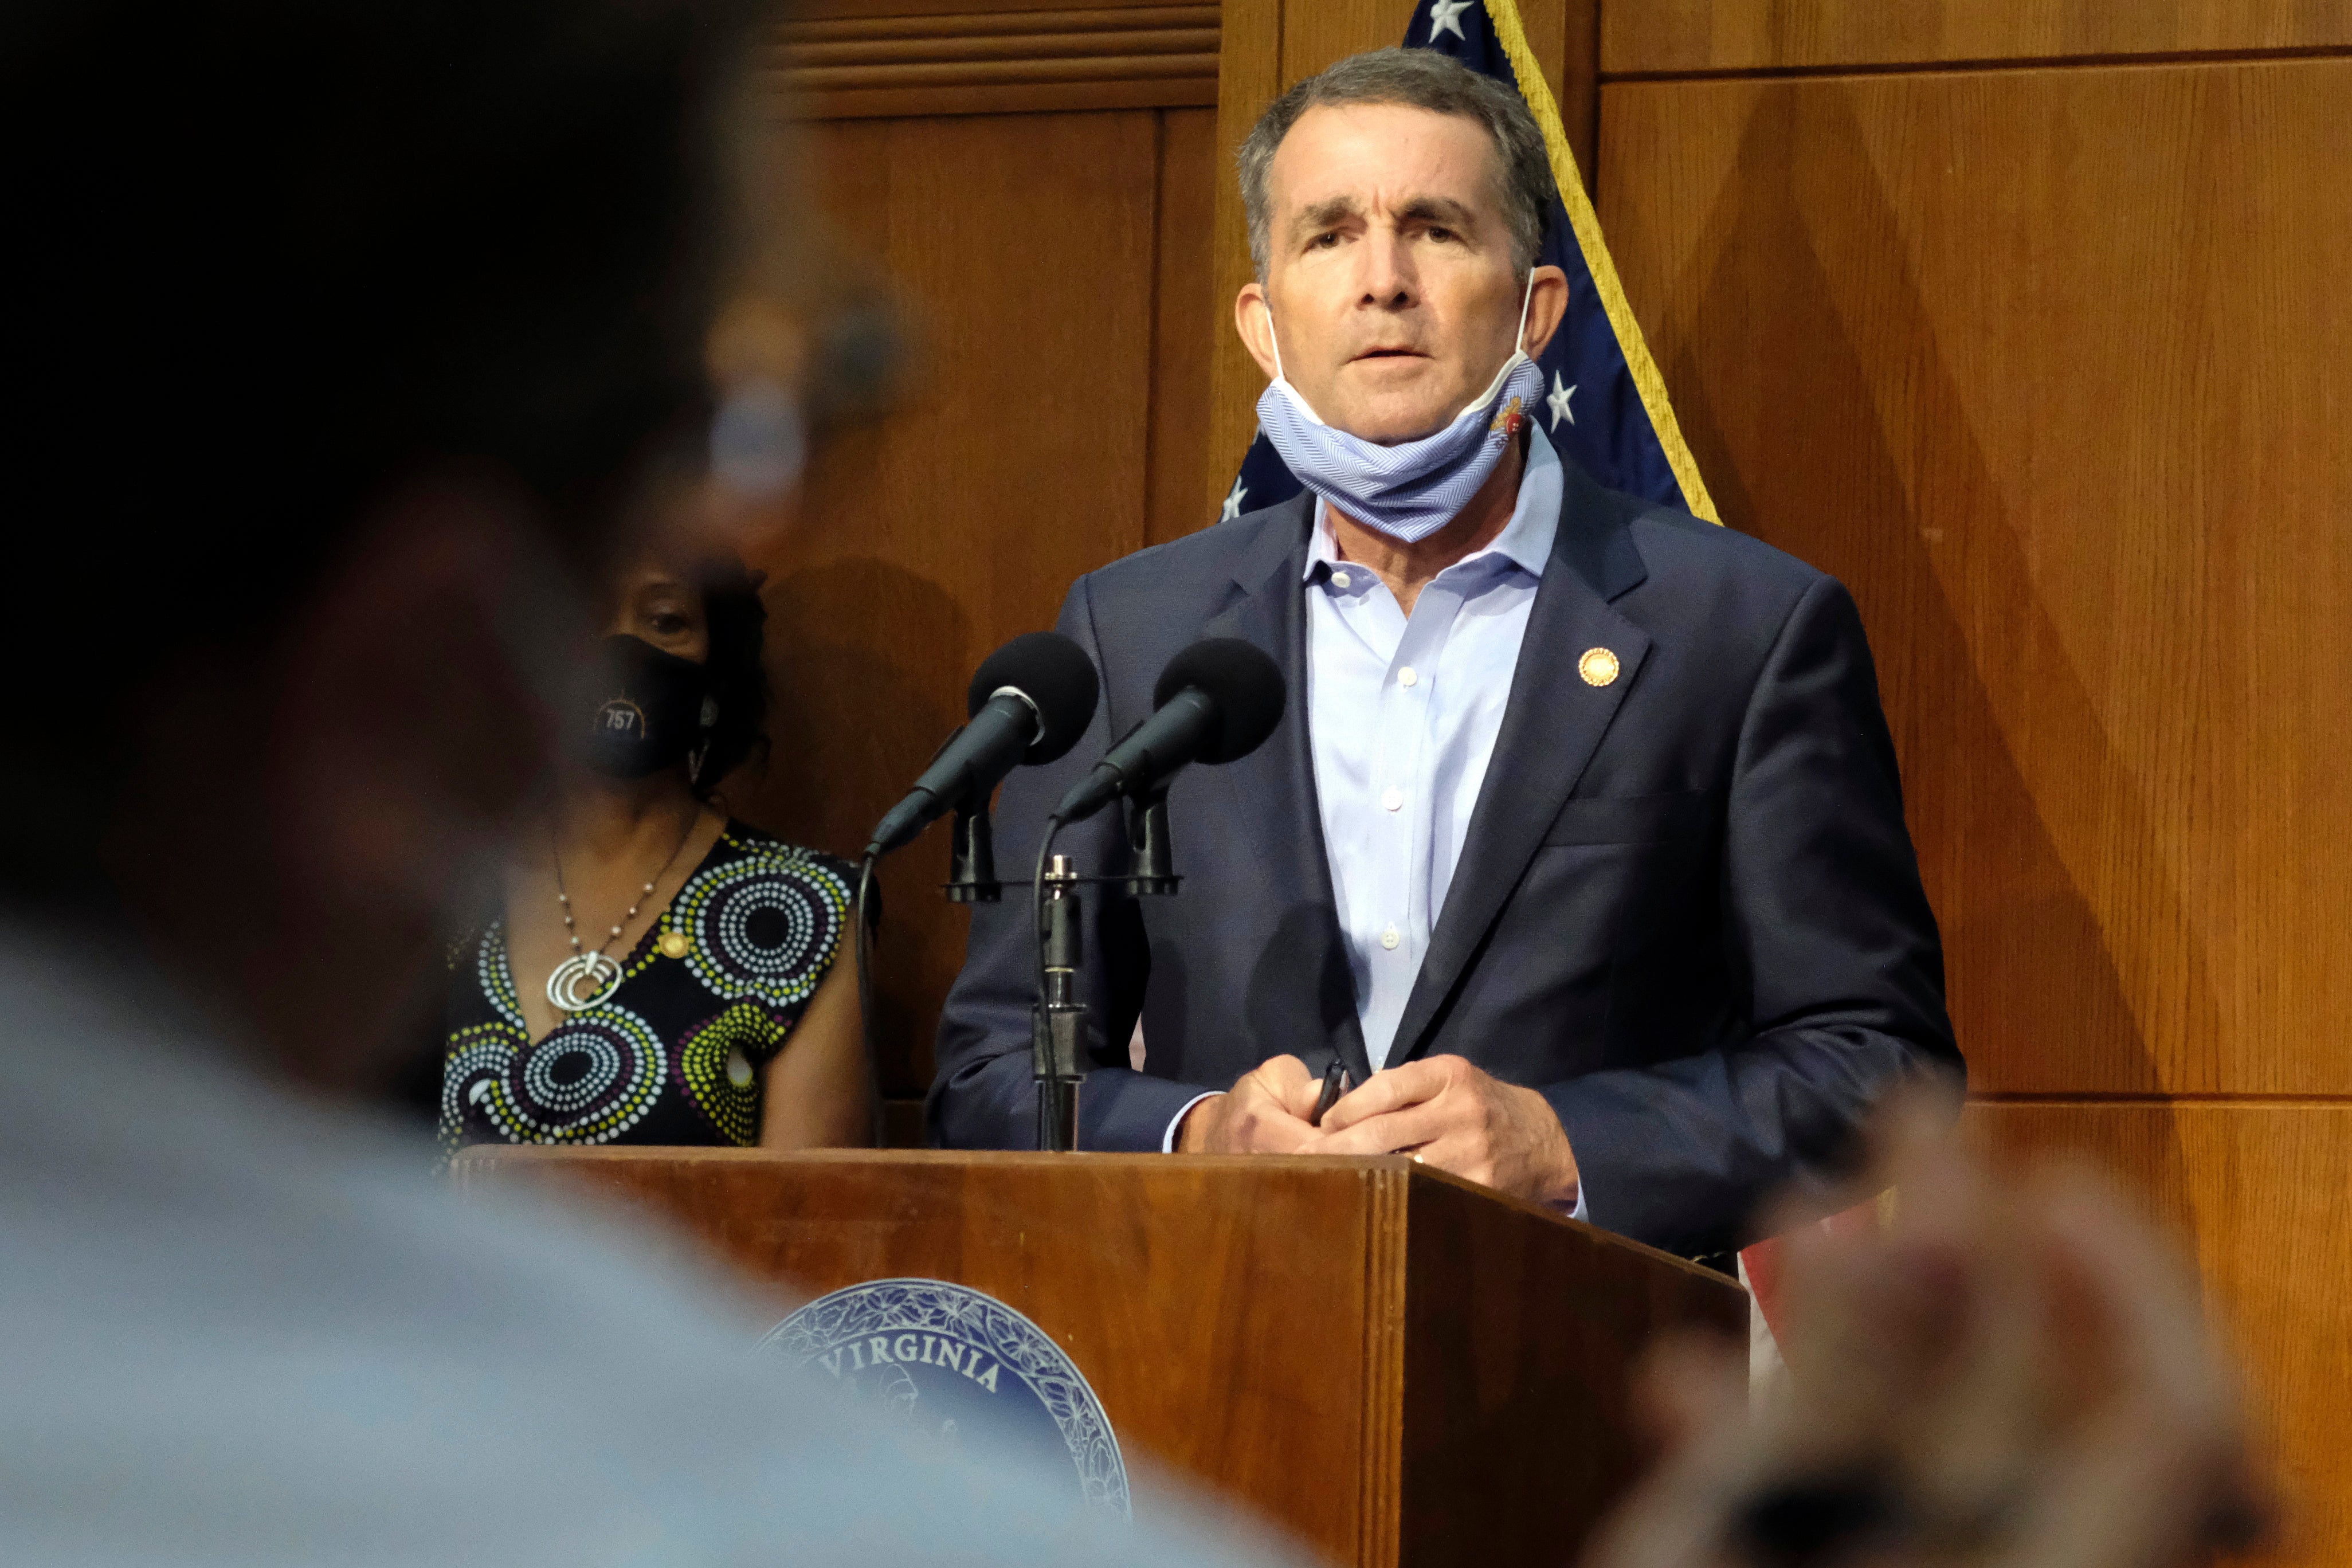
(1679, 37)
(2257, 1193)
(2049, 367)
(1249, 77)
(1267, 45)
(1499, 1332)
(866, 11)
(998, 62)
(1182, 496)
(1023, 248)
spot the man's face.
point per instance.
(1388, 270)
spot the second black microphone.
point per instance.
(1216, 701)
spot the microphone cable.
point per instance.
(860, 948)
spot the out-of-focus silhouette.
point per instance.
(347, 342)
(2006, 1376)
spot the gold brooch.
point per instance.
(1599, 667)
(673, 944)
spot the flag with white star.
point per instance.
(1604, 404)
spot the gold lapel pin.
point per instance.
(1599, 667)
(673, 944)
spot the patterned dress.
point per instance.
(707, 998)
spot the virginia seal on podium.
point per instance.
(962, 1366)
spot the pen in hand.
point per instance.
(1335, 1084)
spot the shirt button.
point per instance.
(1389, 938)
(1393, 799)
(1341, 580)
(1408, 676)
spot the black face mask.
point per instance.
(642, 709)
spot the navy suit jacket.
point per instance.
(1687, 910)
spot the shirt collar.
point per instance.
(1525, 541)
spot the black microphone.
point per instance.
(1217, 701)
(1029, 703)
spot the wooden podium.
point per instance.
(1397, 1366)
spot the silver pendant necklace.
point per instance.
(588, 979)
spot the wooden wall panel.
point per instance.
(2049, 367)
(1249, 77)
(840, 68)
(2047, 363)
(1682, 37)
(1023, 246)
(1183, 494)
(1268, 44)
(2257, 1194)
(866, 11)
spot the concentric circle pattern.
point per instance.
(705, 1062)
(761, 930)
(674, 1052)
(587, 1082)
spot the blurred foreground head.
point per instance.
(2015, 1373)
(345, 340)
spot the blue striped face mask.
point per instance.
(1411, 490)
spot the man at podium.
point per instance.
(1580, 850)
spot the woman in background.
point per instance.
(660, 973)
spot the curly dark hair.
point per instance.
(287, 257)
(739, 677)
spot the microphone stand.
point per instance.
(1152, 869)
(1057, 1022)
(972, 862)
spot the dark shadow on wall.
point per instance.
(853, 725)
(1780, 404)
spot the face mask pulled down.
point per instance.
(1411, 490)
(641, 709)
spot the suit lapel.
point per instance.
(1276, 785)
(1551, 725)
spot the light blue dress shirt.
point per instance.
(1402, 716)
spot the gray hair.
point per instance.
(1421, 79)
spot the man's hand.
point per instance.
(1460, 1119)
(1265, 1113)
